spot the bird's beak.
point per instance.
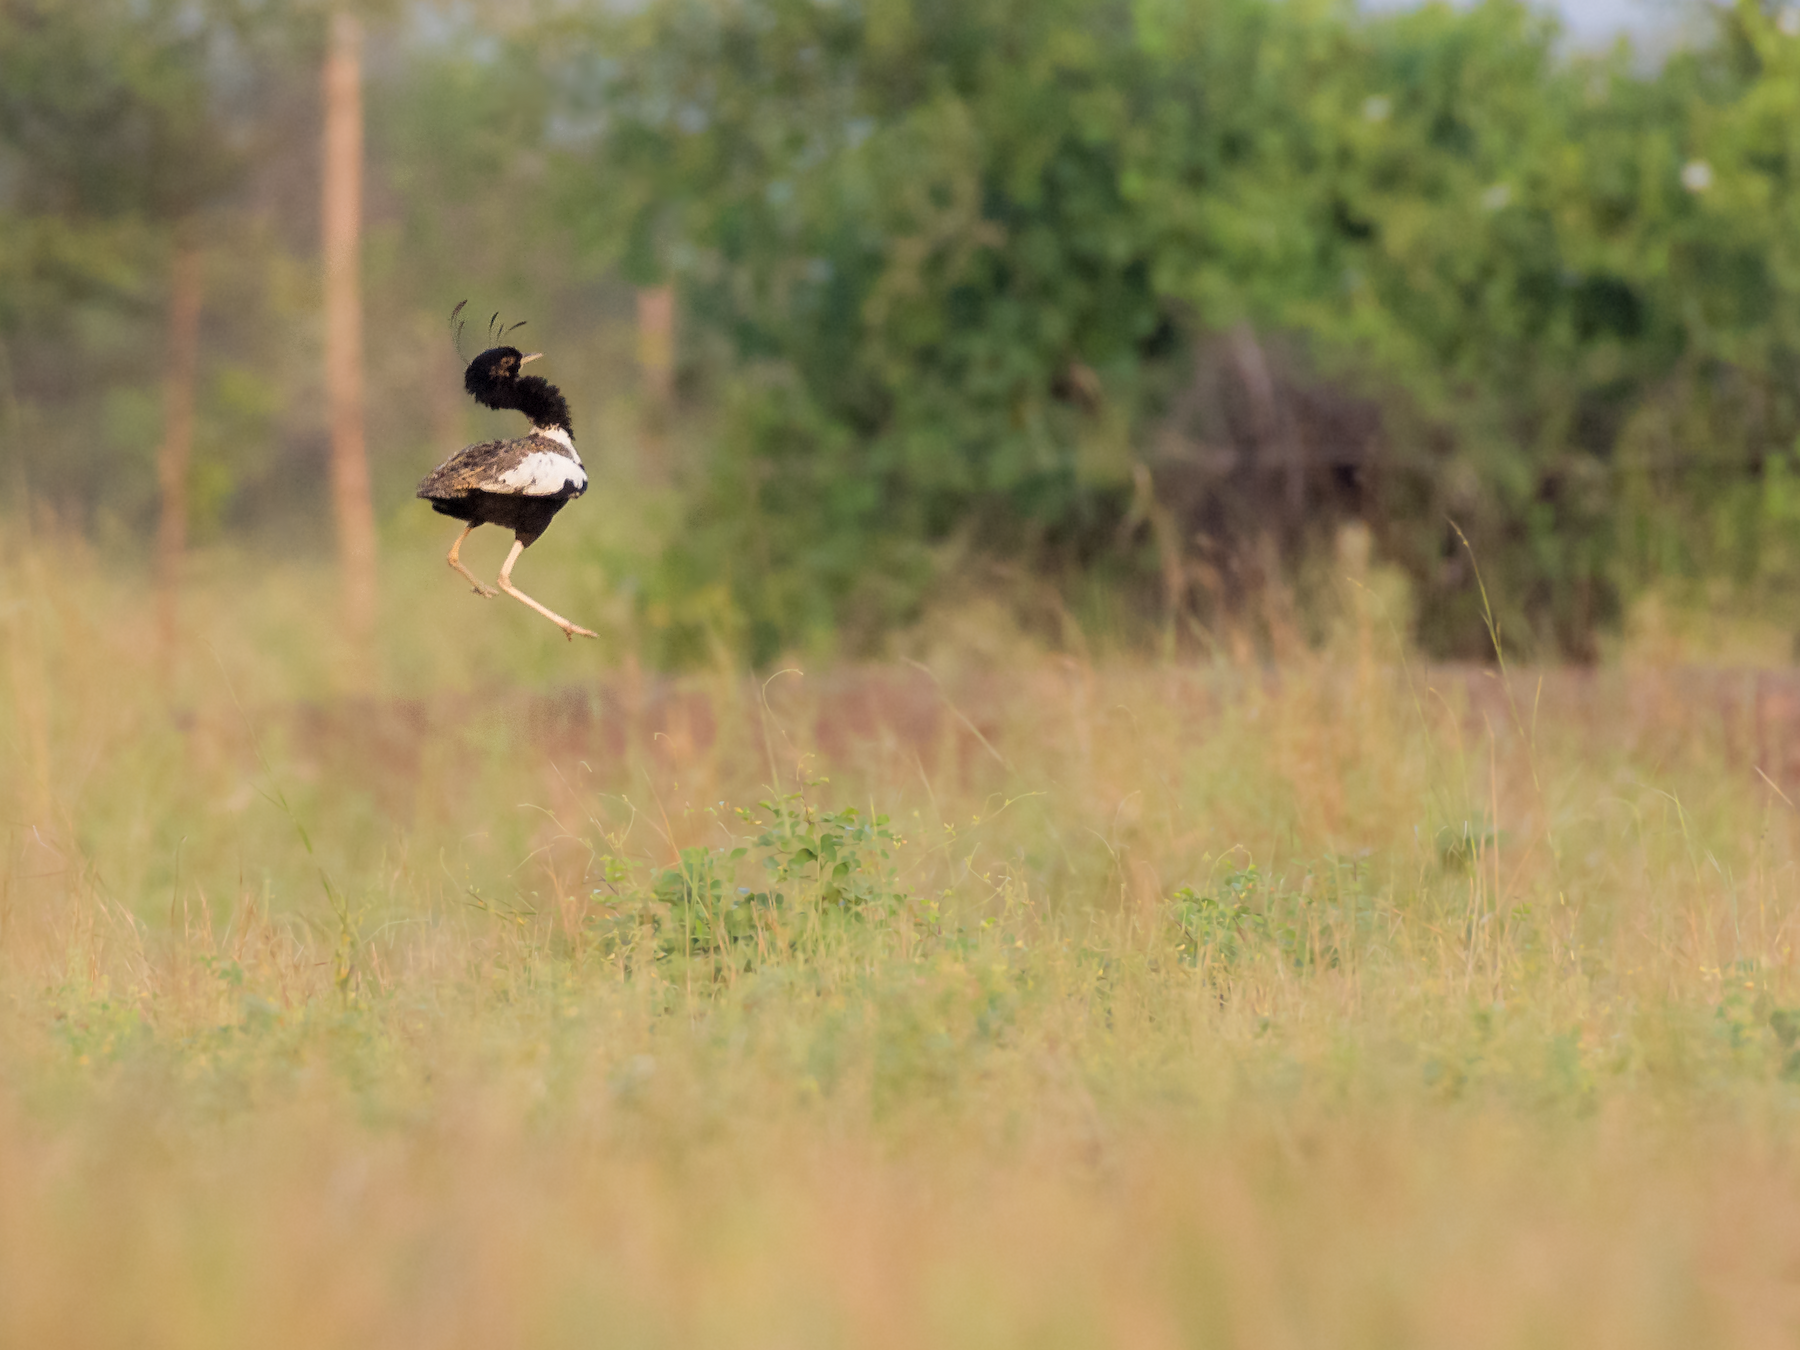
(534, 356)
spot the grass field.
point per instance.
(997, 999)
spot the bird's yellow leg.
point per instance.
(570, 631)
(456, 562)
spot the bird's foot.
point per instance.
(485, 592)
(570, 631)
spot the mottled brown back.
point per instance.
(476, 467)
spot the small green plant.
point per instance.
(819, 868)
(1224, 925)
(1247, 912)
(841, 858)
(1461, 846)
(705, 913)
(692, 908)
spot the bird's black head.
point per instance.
(494, 381)
(493, 377)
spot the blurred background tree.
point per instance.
(1118, 308)
(116, 148)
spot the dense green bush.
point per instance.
(969, 259)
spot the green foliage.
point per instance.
(825, 874)
(838, 858)
(106, 108)
(1223, 924)
(697, 915)
(1246, 915)
(959, 256)
(116, 131)
(908, 227)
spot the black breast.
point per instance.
(527, 517)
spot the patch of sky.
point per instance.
(1650, 25)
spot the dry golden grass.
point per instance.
(344, 1021)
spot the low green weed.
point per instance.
(1246, 914)
(815, 873)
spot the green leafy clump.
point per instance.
(1248, 915)
(1223, 923)
(822, 873)
(840, 859)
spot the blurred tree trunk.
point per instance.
(656, 368)
(175, 453)
(342, 234)
(1278, 446)
(14, 427)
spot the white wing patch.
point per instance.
(542, 473)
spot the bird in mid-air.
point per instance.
(519, 484)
